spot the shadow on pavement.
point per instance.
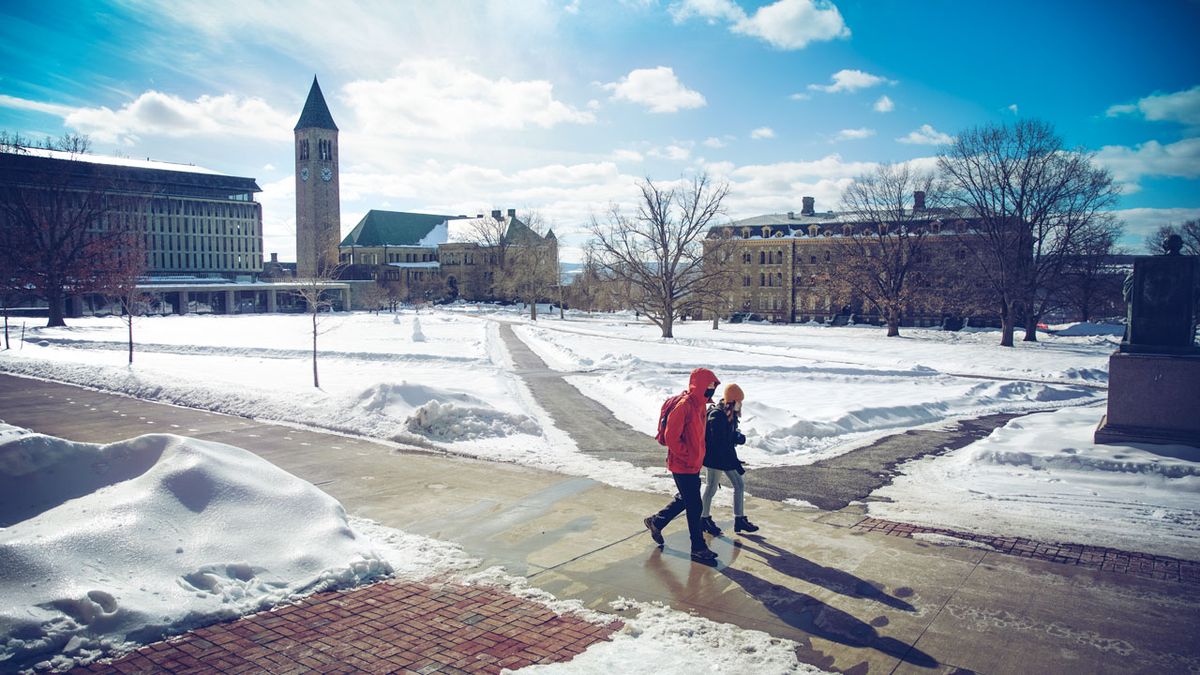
(798, 567)
(705, 586)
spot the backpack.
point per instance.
(667, 406)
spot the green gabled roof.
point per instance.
(392, 228)
(315, 114)
(520, 233)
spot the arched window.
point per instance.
(762, 257)
(828, 257)
(812, 230)
(847, 230)
(766, 231)
(780, 254)
(779, 278)
(762, 280)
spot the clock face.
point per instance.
(304, 173)
(326, 174)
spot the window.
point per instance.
(828, 257)
(779, 278)
(762, 257)
(762, 280)
(813, 259)
(303, 149)
(746, 258)
(746, 280)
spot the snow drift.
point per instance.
(105, 547)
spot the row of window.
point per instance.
(767, 232)
(160, 261)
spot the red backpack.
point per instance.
(667, 406)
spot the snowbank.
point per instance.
(106, 547)
(1121, 496)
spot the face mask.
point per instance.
(708, 393)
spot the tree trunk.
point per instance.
(1006, 325)
(129, 320)
(533, 311)
(716, 320)
(55, 299)
(1031, 322)
(7, 344)
(316, 382)
(893, 327)
(667, 324)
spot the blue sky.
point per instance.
(559, 106)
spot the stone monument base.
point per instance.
(1152, 399)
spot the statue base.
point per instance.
(1152, 398)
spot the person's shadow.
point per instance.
(786, 562)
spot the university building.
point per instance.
(780, 264)
(202, 230)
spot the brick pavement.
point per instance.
(1095, 557)
(386, 627)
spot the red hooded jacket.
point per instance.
(686, 424)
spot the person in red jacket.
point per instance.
(685, 458)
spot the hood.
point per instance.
(702, 378)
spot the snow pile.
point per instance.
(417, 335)
(658, 640)
(438, 413)
(1132, 497)
(105, 547)
(1088, 328)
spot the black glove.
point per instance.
(739, 439)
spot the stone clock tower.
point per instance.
(318, 206)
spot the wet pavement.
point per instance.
(854, 599)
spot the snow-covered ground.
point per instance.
(1042, 476)
(812, 392)
(107, 547)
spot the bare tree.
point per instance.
(1090, 281)
(1189, 231)
(374, 297)
(715, 294)
(533, 272)
(1031, 199)
(491, 233)
(658, 251)
(883, 260)
(316, 292)
(64, 225)
(122, 286)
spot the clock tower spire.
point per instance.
(318, 205)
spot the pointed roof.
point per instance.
(550, 235)
(315, 114)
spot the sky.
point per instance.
(561, 106)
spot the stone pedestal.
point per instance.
(1152, 398)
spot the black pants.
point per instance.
(688, 500)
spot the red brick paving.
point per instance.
(1095, 557)
(387, 627)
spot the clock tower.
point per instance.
(318, 206)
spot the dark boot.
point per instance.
(655, 530)
(709, 526)
(743, 524)
(704, 556)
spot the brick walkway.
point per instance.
(1096, 557)
(387, 627)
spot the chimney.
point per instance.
(512, 213)
(478, 215)
(274, 257)
(791, 215)
(918, 200)
(809, 207)
(496, 214)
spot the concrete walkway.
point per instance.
(854, 600)
(828, 484)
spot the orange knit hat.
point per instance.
(733, 393)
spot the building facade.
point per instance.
(784, 267)
(318, 202)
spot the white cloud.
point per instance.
(854, 134)
(800, 97)
(713, 142)
(884, 105)
(1128, 165)
(785, 24)
(792, 24)
(626, 155)
(1013, 109)
(436, 98)
(675, 153)
(656, 88)
(571, 7)
(1181, 106)
(762, 132)
(710, 10)
(1141, 222)
(926, 135)
(268, 167)
(848, 80)
(154, 113)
